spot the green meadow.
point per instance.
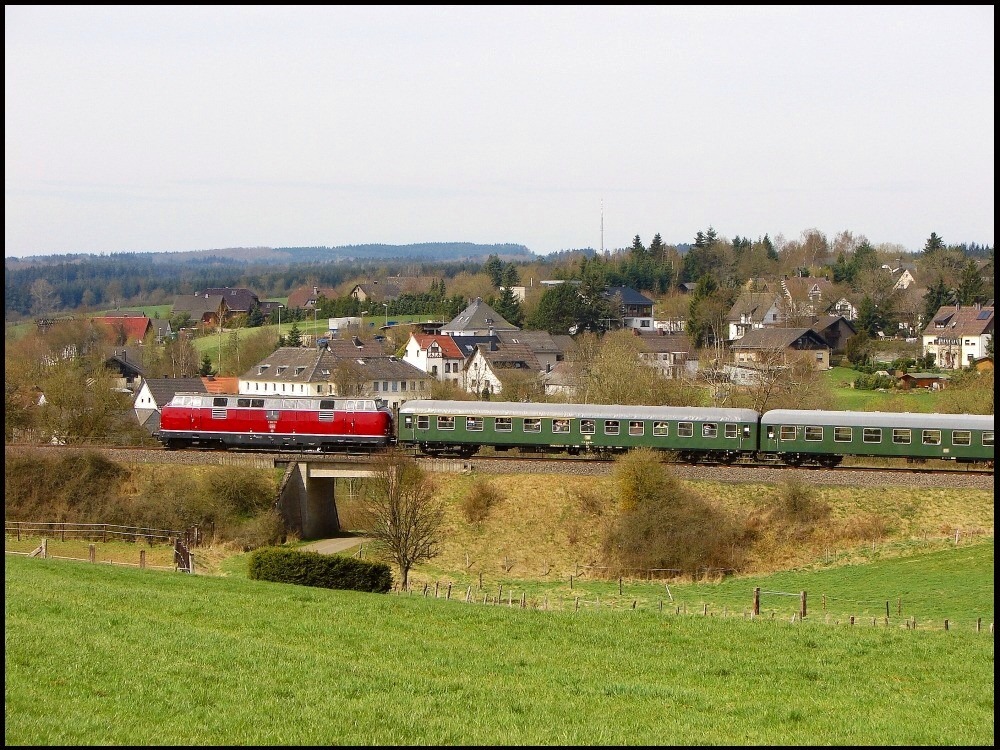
(109, 655)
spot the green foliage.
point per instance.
(283, 565)
(639, 474)
(871, 382)
(206, 366)
(294, 337)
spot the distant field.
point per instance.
(102, 655)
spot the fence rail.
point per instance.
(100, 532)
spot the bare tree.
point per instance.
(401, 513)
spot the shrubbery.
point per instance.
(314, 569)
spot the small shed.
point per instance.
(933, 380)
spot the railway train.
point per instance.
(461, 428)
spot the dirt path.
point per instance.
(332, 546)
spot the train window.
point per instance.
(408, 421)
(636, 428)
(685, 429)
(787, 432)
(446, 423)
(872, 435)
(587, 427)
(612, 427)
(244, 402)
(710, 430)
(423, 422)
(988, 437)
(732, 431)
(532, 425)
(843, 434)
(961, 437)
(931, 437)
(475, 424)
(560, 425)
(661, 429)
(901, 437)
(220, 401)
(257, 403)
(327, 403)
(503, 424)
(814, 433)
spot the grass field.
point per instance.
(106, 655)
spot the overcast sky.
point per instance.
(166, 128)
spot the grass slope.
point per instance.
(105, 655)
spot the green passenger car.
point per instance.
(463, 427)
(825, 437)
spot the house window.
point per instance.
(819, 356)
(787, 432)
(532, 425)
(474, 424)
(843, 434)
(872, 435)
(961, 437)
(685, 429)
(710, 430)
(560, 425)
(661, 429)
(587, 427)
(423, 422)
(636, 428)
(612, 427)
(446, 423)
(931, 437)
(900, 437)
(503, 424)
(813, 433)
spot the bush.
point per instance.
(799, 503)
(478, 501)
(323, 571)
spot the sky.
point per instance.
(172, 128)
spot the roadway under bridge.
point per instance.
(307, 497)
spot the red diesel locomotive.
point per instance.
(296, 423)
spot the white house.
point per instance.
(957, 336)
(437, 355)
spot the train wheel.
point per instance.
(793, 459)
(829, 462)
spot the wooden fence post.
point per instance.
(571, 582)
(449, 591)
(802, 605)
(756, 600)
(93, 553)
(945, 624)
(142, 558)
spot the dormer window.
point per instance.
(262, 369)
(299, 370)
(281, 369)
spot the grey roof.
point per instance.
(540, 342)
(667, 342)
(753, 304)
(197, 306)
(629, 296)
(878, 419)
(599, 411)
(469, 344)
(163, 389)
(511, 356)
(239, 299)
(478, 316)
(291, 364)
(825, 321)
(778, 338)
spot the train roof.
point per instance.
(879, 419)
(576, 411)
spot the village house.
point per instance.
(958, 335)
(486, 368)
(782, 346)
(347, 367)
(753, 309)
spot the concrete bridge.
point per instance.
(307, 497)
